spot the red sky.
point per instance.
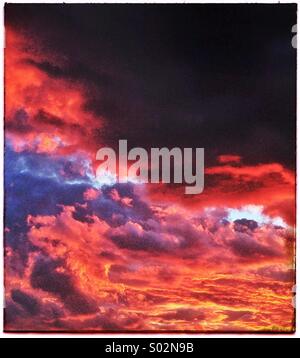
(126, 257)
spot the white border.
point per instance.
(148, 335)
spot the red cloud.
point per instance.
(182, 266)
(220, 275)
(228, 158)
(226, 186)
(44, 114)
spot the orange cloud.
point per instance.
(162, 261)
(212, 276)
(44, 114)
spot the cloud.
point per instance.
(276, 273)
(141, 257)
(127, 262)
(29, 303)
(244, 225)
(227, 186)
(246, 246)
(45, 106)
(184, 314)
(238, 316)
(46, 275)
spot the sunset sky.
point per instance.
(84, 256)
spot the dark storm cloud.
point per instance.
(46, 277)
(127, 237)
(47, 118)
(74, 71)
(171, 236)
(247, 247)
(13, 312)
(23, 306)
(213, 76)
(19, 123)
(29, 303)
(244, 225)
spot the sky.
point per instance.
(84, 256)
